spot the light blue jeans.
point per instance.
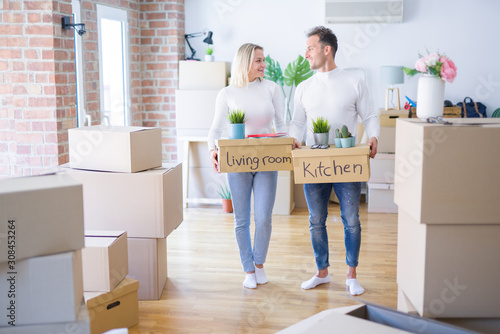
(264, 190)
(317, 197)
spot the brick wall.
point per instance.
(37, 105)
(161, 47)
(37, 80)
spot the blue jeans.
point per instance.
(317, 197)
(264, 190)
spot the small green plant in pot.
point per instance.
(209, 53)
(225, 194)
(338, 135)
(347, 138)
(321, 129)
(236, 126)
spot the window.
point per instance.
(112, 30)
(82, 117)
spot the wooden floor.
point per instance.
(204, 292)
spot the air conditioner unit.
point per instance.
(363, 11)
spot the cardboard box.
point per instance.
(371, 319)
(41, 289)
(448, 112)
(254, 154)
(126, 149)
(195, 111)
(332, 164)
(446, 271)
(387, 140)
(381, 198)
(448, 174)
(40, 215)
(146, 204)
(147, 262)
(80, 326)
(382, 168)
(389, 117)
(104, 259)
(203, 74)
(116, 309)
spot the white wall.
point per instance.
(466, 31)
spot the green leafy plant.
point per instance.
(236, 116)
(209, 50)
(320, 125)
(224, 192)
(345, 132)
(296, 72)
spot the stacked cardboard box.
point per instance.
(111, 298)
(41, 237)
(144, 201)
(381, 183)
(446, 189)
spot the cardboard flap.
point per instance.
(126, 286)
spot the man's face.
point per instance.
(315, 52)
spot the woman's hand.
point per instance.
(296, 144)
(213, 159)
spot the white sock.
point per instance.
(354, 287)
(250, 281)
(314, 282)
(260, 275)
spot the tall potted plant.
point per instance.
(227, 203)
(321, 129)
(236, 126)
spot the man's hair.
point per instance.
(326, 37)
(241, 65)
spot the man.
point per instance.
(340, 97)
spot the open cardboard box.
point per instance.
(332, 164)
(369, 318)
(126, 149)
(104, 259)
(40, 215)
(116, 309)
(254, 154)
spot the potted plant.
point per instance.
(208, 53)
(347, 138)
(236, 126)
(338, 135)
(227, 203)
(321, 129)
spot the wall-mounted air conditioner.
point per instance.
(363, 11)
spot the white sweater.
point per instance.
(262, 102)
(337, 95)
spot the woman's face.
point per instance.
(258, 65)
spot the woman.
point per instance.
(262, 101)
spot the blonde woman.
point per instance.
(263, 103)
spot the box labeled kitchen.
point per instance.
(332, 164)
(254, 154)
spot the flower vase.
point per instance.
(430, 96)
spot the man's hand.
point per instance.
(296, 144)
(213, 159)
(373, 142)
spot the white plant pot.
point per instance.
(430, 96)
(209, 57)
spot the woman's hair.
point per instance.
(241, 64)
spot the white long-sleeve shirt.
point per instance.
(337, 95)
(262, 102)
